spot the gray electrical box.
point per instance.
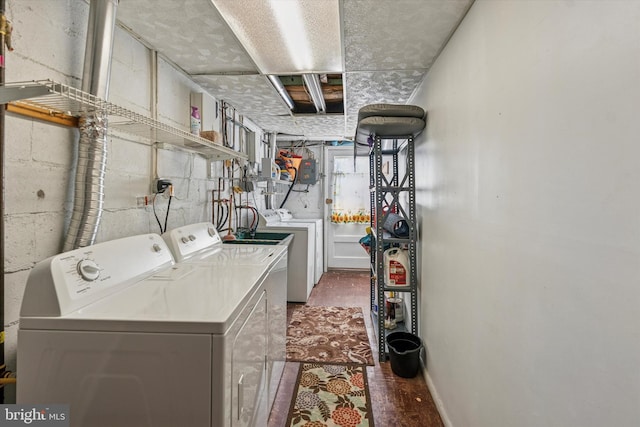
(253, 147)
(308, 172)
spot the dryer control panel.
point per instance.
(191, 240)
(71, 280)
(268, 217)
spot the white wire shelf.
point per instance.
(61, 99)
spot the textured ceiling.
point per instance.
(389, 46)
(191, 33)
(253, 95)
(399, 34)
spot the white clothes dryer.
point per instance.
(127, 337)
(301, 273)
(200, 245)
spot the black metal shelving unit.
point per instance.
(392, 190)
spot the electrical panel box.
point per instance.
(308, 172)
(268, 169)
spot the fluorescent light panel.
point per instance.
(287, 36)
(312, 82)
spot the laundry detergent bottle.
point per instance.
(396, 267)
(195, 120)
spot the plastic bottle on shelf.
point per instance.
(195, 120)
(396, 267)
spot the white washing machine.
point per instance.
(128, 338)
(286, 216)
(200, 245)
(301, 273)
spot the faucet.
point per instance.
(254, 222)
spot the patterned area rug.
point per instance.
(328, 335)
(331, 395)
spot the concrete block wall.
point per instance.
(49, 41)
(38, 156)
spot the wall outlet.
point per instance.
(160, 185)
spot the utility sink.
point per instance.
(261, 238)
(252, 242)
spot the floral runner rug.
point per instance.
(331, 395)
(328, 335)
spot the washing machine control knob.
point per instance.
(185, 240)
(192, 237)
(156, 247)
(89, 270)
(211, 231)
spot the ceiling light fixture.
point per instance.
(287, 36)
(312, 82)
(290, 22)
(275, 81)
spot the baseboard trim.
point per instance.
(436, 397)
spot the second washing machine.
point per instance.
(287, 216)
(301, 273)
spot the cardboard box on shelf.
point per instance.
(212, 136)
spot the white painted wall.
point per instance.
(530, 296)
(49, 41)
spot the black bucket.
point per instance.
(404, 353)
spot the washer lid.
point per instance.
(240, 254)
(186, 298)
(309, 220)
(288, 224)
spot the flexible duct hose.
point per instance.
(89, 183)
(92, 148)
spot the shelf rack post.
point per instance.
(386, 196)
